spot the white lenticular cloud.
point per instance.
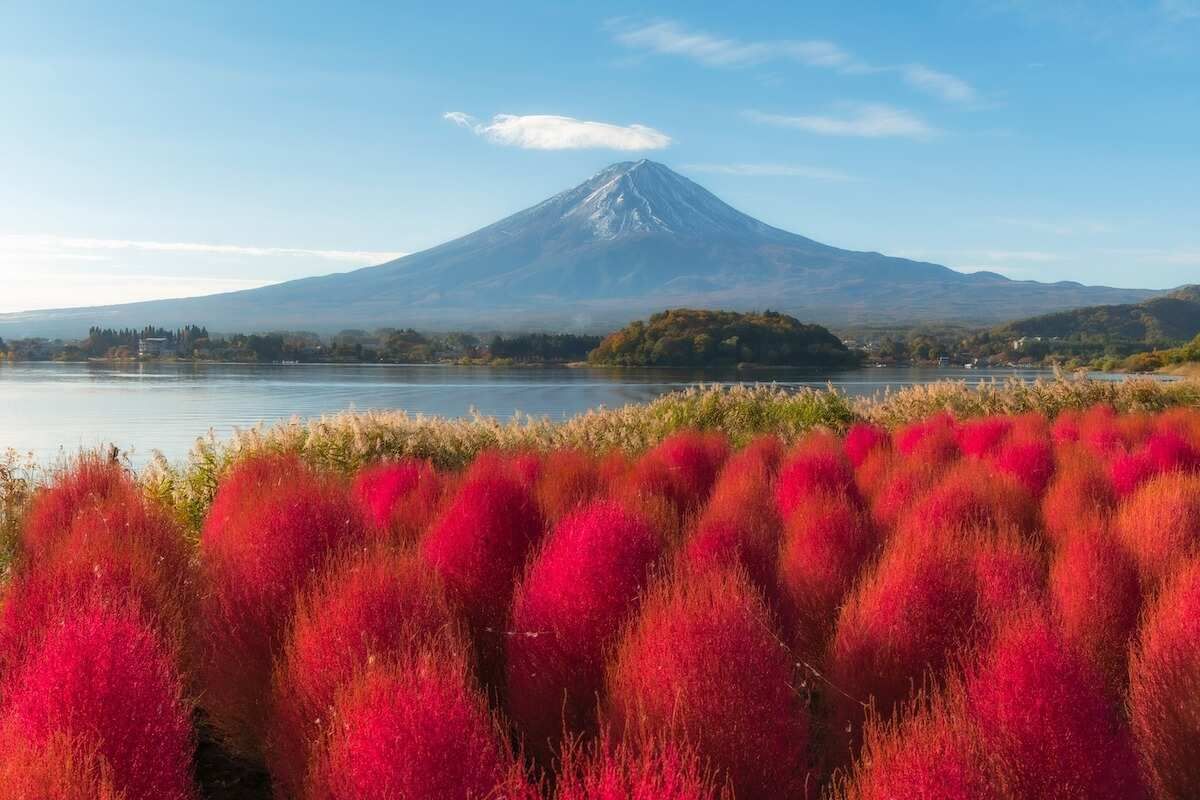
(552, 132)
(868, 120)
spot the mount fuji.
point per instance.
(634, 238)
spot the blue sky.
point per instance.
(153, 150)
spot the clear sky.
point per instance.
(168, 149)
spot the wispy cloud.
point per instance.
(942, 84)
(551, 132)
(1077, 227)
(667, 37)
(32, 290)
(761, 170)
(1176, 257)
(19, 246)
(869, 120)
(671, 38)
(989, 256)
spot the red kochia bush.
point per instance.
(898, 488)
(370, 605)
(399, 498)
(970, 497)
(1030, 461)
(1160, 524)
(904, 618)
(682, 469)
(983, 436)
(1164, 687)
(932, 753)
(102, 673)
(826, 542)
(1010, 574)
(61, 769)
(569, 479)
(87, 483)
(577, 593)
(740, 524)
(88, 568)
(862, 440)
(1099, 431)
(255, 555)
(248, 478)
(618, 772)
(416, 729)
(1097, 598)
(933, 440)
(702, 665)
(817, 466)
(1164, 451)
(1047, 719)
(1080, 498)
(480, 541)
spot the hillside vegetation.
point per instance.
(685, 337)
(1101, 332)
(1186, 355)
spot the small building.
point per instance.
(154, 347)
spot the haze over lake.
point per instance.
(51, 409)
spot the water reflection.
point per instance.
(49, 408)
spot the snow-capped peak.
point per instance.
(644, 196)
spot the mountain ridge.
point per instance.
(634, 238)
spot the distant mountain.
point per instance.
(633, 239)
(1164, 321)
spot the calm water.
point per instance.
(50, 409)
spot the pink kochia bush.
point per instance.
(124, 554)
(864, 439)
(703, 665)
(89, 482)
(681, 469)
(618, 772)
(1029, 460)
(816, 467)
(416, 728)
(370, 605)
(740, 524)
(398, 498)
(827, 541)
(1047, 720)
(101, 674)
(268, 534)
(479, 544)
(567, 612)
(1164, 690)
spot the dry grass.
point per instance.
(19, 473)
(347, 441)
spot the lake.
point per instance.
(50, 409)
